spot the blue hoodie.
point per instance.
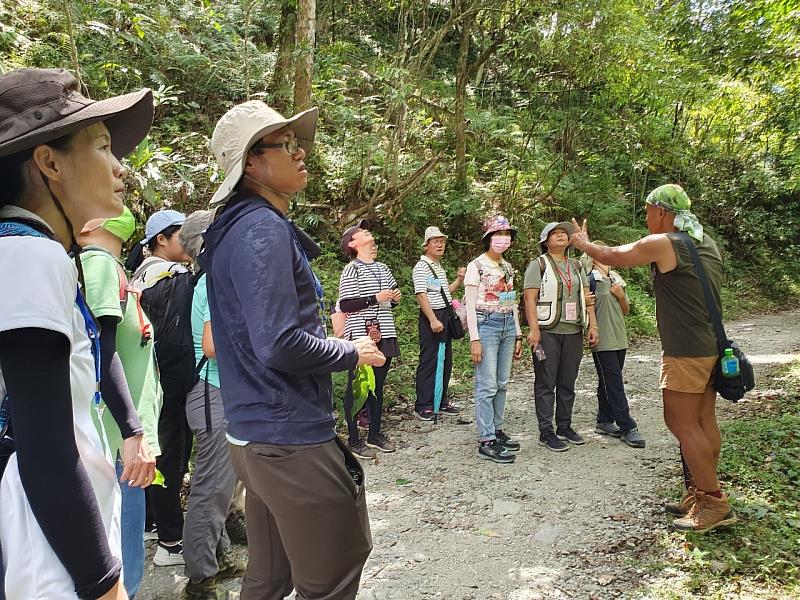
(273, 355)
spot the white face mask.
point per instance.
(500, 243)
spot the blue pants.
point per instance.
(132, 525)
(498, 334)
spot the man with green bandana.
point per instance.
(689, 347)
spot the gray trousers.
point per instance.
(307, 521)
(555, 380)
(204, 535)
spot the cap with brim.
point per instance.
(191, 234)
(432, 232)
(159, 221)
(497, 223)
(41, 105)
(349, 233)
(241, 127)
(550, 227)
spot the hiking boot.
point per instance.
(706, 514)
(682, 508)
(609, 429)
(426, 414)
(380, 443)
(506, 442)
(360, 450)
(495, 452)
(633, 439)
(168, 556)
(235, 526)
(571, 436)
(551, 442)
(229, 566)
(205, 589)
(450, 409)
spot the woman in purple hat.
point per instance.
(495, 336)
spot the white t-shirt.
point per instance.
(39, 289)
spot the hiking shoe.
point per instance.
(230, 566)
(380, 443)
(361, 451)
(633, 439)
(506, 442)
(205, 589)
(450, 409)
(495, 452)
(551, 442)
(426, 414)
(682, 508)
(609, 429)
(571, 436)
(151, 534)
(707, 513)
(236, 527)
(168, 556)
(362, 419)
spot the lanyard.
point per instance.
(377, 278)
(568, 279)
(93, 334)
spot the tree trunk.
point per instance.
(280, 88)
(306, 17)
(459, 118)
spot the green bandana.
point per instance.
(122, 226)
(671, 197)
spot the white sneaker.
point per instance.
(150, 536)
(168, 556)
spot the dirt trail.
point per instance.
(552, 525)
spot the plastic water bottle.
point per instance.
(730, 364)
(539, 352)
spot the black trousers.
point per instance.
(428, 356)
(175, 439)
(612, 403)
(374, 403)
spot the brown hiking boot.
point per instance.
(205, 589)
(707, 513)
(682, 508)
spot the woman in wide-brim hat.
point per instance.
(59, 163)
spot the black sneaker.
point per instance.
(381, 443)
(426, 414)
(571, 436)
(495, 452)
(361, 450)
(609, 429)
(551, 442)
(450, 409)
(506, 442)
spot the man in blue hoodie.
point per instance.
(307, 522)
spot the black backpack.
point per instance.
(168, 304)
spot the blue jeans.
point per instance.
(132, 525)
(498, 333)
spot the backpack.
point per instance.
(168, 304)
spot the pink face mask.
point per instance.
(500, 243)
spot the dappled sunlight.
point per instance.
(538, 582)
(772, 359)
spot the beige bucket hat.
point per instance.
(241, 127)
(432, 232)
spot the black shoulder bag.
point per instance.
(730, 388)
(455, 330)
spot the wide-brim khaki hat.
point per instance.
(241, 127)
(432, 232)
(41, 105)
(550, 228)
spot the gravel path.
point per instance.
(553, 525)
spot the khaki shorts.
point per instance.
(688, 374)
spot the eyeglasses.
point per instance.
(292, 145)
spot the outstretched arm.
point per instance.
(654, 248)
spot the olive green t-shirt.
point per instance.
(610, 320)
(102, 276)
(683, 320)
(533, 279)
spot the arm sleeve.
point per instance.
(274, 327)
(113, 384)
(471, 298)
(35, 365)
(349, 299)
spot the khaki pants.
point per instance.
(307, 521)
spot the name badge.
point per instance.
(434, 283)
(571, 311)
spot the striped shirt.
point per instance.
(363, 280)
(432, 285)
